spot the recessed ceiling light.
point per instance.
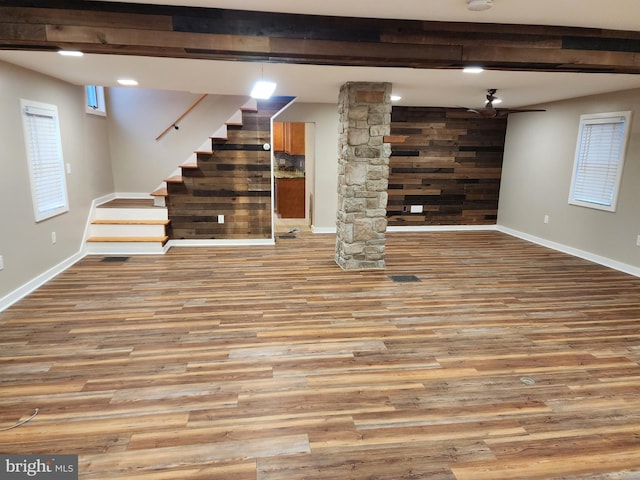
(70, 53)
(479, 5)
(263, 89)
(127, 82)
(395, 98)
(473, 69)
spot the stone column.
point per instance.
(363, 174)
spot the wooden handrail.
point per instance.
(186, 112)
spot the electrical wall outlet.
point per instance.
(638, 241)
(220, 218)
(54, 239)
(1, 263)
(416, 208)
(68, 169)
(546, 219)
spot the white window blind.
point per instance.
(44, 154)
(599, 160)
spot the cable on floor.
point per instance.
(22, 422)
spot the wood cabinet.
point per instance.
(289, 137)
(290, 197)
(278, 137)
(294, 138)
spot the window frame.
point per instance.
(101, 108)
(608, 118)
(53, 166)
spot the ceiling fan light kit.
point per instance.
(479, 5)
(489, 111)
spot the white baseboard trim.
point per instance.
(94, 204)
(592, 257)
(442, 228)
(221, 243)
(420, 228)
(323, 229)
(146, 196)
(37, 282)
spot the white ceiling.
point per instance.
(311, 83)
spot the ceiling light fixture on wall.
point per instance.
(473, 69)
(128, 82)
(479, 5)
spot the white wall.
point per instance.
(137, 116)
(325, 118)
(25, 245)
(536, 176)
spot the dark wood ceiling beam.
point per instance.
(186, 32)
(380, 53)
(88, 18)
(576, 59)
(89, 37)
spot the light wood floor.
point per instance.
(271, 363)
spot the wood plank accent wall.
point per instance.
(212, 33)
(233, 180)
(450, 164)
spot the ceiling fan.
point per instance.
(490, 112)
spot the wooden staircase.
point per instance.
(223, 190)
(128, 226)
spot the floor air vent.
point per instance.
(114, 259)
(286, 237)
(404, 278)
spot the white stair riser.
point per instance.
(125, 248)
(220, 133)
(236, 118)
(126, 230)
(252, 104)
(131, 214)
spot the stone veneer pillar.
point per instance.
(363, 174)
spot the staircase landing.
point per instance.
(128, 226)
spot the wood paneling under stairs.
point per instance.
(232, 180)
(271, 363)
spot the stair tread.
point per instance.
(128, 203)
(128, 239)
(204, 152)
(130, 222)
(161, 192)
(190, 165)
(176, 179)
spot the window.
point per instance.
(94, 95)
(44, 155)
(599, 159)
